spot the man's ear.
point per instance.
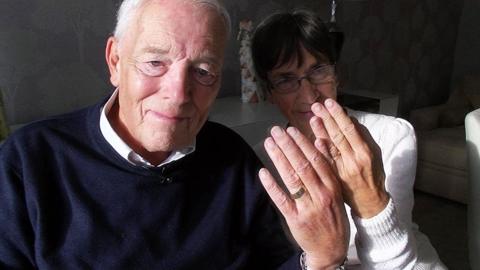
(112, 57)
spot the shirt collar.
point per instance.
(123, 149)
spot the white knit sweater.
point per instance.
(390, 240)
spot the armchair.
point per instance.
(472, 129)
(442, 165)
(442, 157)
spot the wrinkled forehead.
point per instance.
(182, 21)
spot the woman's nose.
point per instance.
(307, 91)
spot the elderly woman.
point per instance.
(372, 155)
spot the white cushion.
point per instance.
(444, 147)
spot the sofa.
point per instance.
(472, 128)
(442, 159)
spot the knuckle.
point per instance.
(271, 185)
(349, 128)
(303, 168)
(318, 159)
(338, 138)
(366, 158)
(322, 161)
(367, 149)
(322, 147)
(326, 201)
(332, 148)
(307, 217)
(334, 153)
(364, 152)
(288, 144)
(292, 177)
(283, 204)
(282, 200)
(356, 168)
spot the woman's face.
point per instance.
(296, 104)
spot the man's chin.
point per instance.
(167, 145)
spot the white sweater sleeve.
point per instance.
(383, 242)
(399, 156)
(407, 247)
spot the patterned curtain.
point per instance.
(3, 123)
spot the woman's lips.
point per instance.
(306, 114)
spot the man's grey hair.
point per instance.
(128, 9)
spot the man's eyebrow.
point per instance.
(208, 58)
(154, 50)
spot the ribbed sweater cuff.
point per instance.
(381, 232)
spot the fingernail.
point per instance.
(276, 131)
(262, 172)
(292, 131)
(329, 103)
(316, 107)
(269, 143)
(319, 110)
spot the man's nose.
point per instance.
(177, 84)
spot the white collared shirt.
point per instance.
(123, 149)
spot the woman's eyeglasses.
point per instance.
(322, 74)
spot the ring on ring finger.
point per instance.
(297, 195)
(334, 153)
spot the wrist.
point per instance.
(373, 206)
(309, 264)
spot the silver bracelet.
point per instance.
(304, 266)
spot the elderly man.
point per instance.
(142, 181)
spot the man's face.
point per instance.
(296, 105)
(167, 68)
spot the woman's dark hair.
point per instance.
(280, 38)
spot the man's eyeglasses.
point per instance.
(322, 74)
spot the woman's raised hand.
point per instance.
(357, 158)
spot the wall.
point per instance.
(52, 55)
(468, 42)
(52, 52)
(403, 47)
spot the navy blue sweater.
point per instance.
(69, 201)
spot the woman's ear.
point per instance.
(113, 59)
(269, 97)
(267, 92)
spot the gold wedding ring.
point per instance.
(334, 153)
(298, 194)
